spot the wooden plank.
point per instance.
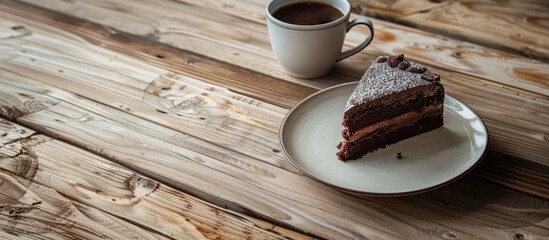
(249, 185)
(395, 8)
(180, 26)
(516, 26)
(465, 58)
(233, 78)
(520, 185)
(515, 118)
(245, 43)
(54, 190)
(519, 175)
(207, 111)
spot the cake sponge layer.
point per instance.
(378, 110)
(386, 136)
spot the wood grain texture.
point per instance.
(205, 69)
(246, 184)
(520, 175)
(464, 58)
(219, 161)
(242, 43)
(203, 110)
(395, 8)
(202, 27)
(516, 26)
(51, 190)
(515, 118)
(13, 107)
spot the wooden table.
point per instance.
(158, 119)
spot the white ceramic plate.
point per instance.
(312, 129)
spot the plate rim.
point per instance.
(367, 193)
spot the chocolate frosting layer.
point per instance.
(388, 75)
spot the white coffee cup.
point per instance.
(310, 51)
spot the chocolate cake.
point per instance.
(395, 99)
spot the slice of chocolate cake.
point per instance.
(395, 99)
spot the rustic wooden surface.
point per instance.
(51, 189)
(504, 108)
(517, 26)
(188, 96)
(190, 164)
(245, 43)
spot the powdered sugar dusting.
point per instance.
(382, 80)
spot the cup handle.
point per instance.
(366, 42)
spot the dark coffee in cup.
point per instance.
(308, 13)
(307, 36)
